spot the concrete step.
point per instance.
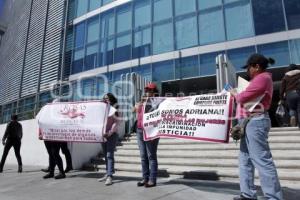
(211, 146)
(275, 129)
(229, 154)
(181, 179)
(165, 141)
(204, 162)
(203, 173)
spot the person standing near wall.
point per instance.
(148, 149)
(289, 85)
(12, 138)
(254, 147)
(111, 139)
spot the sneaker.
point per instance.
(293, 121)
(150, 184)
(60, 176)
(102, 179)
(141, 183)
(108, 181)
(49, 175)
(242, 198)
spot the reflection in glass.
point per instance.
(211, 26)
(163, 38)
(186, 32)
(184, 6)
(187, 67)
(238, 19)
(292, 10)
(142, 43)
(163, 71)
(162, 9)
(278, 50)
(268, 16)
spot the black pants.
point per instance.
(54, 157)
(65, 150)
(17, 146)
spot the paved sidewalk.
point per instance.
(82, 185)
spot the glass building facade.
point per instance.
(141, 29)
(162, 40)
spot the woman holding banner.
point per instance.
(254, 147)
(148, 149)
(111, 138)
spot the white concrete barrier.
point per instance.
(34, 153)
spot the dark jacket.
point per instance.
(289, 82)
(13, 131)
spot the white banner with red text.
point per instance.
(201, 117)
(73, 121)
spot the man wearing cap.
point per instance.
(254, 147)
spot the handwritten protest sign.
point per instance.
(202, 117)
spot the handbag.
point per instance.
(238, 131)
(280, 111)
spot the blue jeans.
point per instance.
(255, 153)
(148, 153)
(108, 151)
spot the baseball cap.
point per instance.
(259, 59)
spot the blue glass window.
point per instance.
(187, 67)
(106, 52)
(209, 4)
(211, 26)
(123, 48)
(142, 43)
(77, 64)
(184, 6)
(239, 57)
(295, 51)
(279, 51)
(107, 25)
(142, 13)
(117, 74)
(162, 9)
(208, 63)
(186, 32)
(81, 7)
(88, 88)
(163, 71)
(124, 19)
(91, 57)
(238, 18)
(93, 30)
(107, 1)
(230, 1)
(163, 40)
(79, 35)
(144, 71)
(292, 10)
(94, 4)
(268, 16)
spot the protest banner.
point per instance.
(73, 121)
(201, 117)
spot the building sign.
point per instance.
(202, 117)
(76, 122)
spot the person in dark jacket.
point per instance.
(289, 85)
(12, 138)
